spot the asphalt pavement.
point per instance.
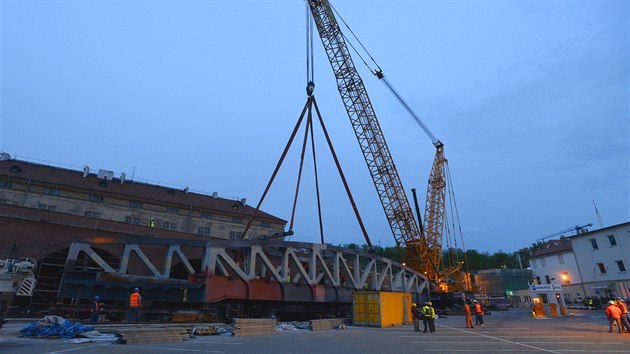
(503, 332)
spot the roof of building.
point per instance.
(62, 177)
(603, 229)
(553, 247)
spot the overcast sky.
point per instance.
(529, 97)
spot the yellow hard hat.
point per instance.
(414, 305)
(429, 303)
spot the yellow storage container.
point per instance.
(381, 308)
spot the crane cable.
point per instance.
(310, 66)
(359, 41)
(379, 73)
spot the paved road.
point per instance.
(504, 332)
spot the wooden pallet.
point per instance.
(326, 324)
(254, 326)
(152, 335)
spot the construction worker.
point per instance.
(469, 323)
(428, 317)
(96, 310)
(135, 304)
(478, 313)
(613, 313)
(415, 315)
(152, 223)
(624, 314)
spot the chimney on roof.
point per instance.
(5, 156)
(186, 190)
(215, 195)
(243, 201)
(106, 175)
(123, 176)
(86, 171)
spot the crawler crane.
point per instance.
(421, 248)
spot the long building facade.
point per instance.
(44, 208)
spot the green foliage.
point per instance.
(474, 260)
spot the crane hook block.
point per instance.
(379, 74)
(310, 87)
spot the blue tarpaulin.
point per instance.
(67, 329)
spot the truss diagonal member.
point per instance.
(73, 255)
(129, 248)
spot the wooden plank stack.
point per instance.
(326, 324)
(185, 317)
(152, 335)
(254, 326)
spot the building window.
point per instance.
(236, 220)
(52, 191)
(602, 268)
(533, 262)
(561, 258)
(132, 220)
(204, 231)
(611, 240)
(46, 207)
(543, 262)
(265, 224)
(547, 281)
(205, 216)
(593, 244)
(95, 198)
(565, 277)
(170, 225)
(234, 235)
(92, 214)
(4, 184)
(538, 280)
(620, 266)
(134, 204)
(172, 210)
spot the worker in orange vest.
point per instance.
(96, 310)
(478, 313)
(135, 304)
(624, 313)
(613, 313)
(469, 323)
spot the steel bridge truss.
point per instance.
(220, 269)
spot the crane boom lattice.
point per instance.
(434, 214)
(369, 135)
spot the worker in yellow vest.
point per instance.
(428, 317)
